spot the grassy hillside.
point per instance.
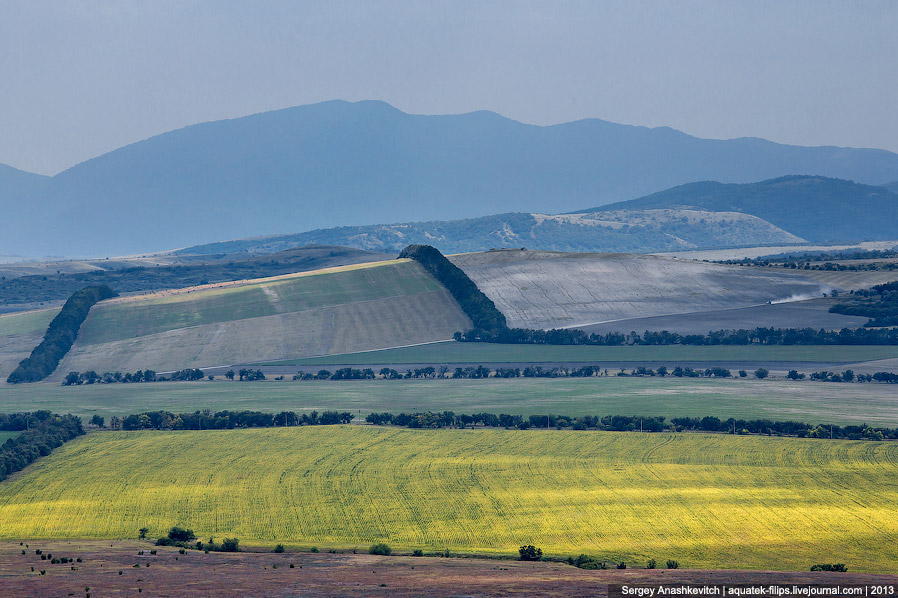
(367, 306)
(811, 402)
(55, 281)
(816, 208)
(709, 501)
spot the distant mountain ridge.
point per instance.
(786, 210)
(339, 163)
(819, 209)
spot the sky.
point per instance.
(80, 78)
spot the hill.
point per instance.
(893, 186)
(818, 209)
(336, 310)
(799, 501)
(622, 232)
(339, 163)
(55, 281)
(621, 293)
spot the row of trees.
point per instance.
(473, 302)
(226, 420)
(879, 303)
(92, 377)
(757, 336)
(60, 335)
(42, 432)
(625, 423)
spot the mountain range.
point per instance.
(353, 164)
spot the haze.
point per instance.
(81, 78)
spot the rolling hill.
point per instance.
(335, 310)
(339, 163)
(714, 215)
(818, 209)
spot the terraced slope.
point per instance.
(335, 310)
(708, 501)
(543, 289)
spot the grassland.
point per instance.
(812, 402)
(130, 317)
(26, 323)
(454, 352)
(709, 501)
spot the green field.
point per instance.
(453, 352)
(812, 402)
(27, 323)
(123, 320)
(708, 501)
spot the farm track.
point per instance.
(710, 501)
(331, 575)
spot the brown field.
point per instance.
(194, 574)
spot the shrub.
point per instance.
(278, 548)
(586, 562)
(622, 565)
(839, 567)
(530, 553)
(178, 534)
(313, 549)
(380, 549)
(230, 545)
(673, 564)
(651, 564)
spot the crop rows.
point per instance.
(706, 500)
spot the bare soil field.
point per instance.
(812, 313)
(542, 289)
(170, 574)
(753, 252)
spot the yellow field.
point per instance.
(709, 501)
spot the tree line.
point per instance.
(757, 336)
(227, 420)
(473, 302)
(148, 375)
(60, 335)
(879, 303)
(41, 432)
(632, 423)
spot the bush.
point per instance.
(530, 553)
(651, 564)
(622, 565)
(278, 548)
(178, 534)
(586, 562)
(761, 373)
(381, 548)
(417, 552)
(673, 564)
(230, 545)
(839, 567)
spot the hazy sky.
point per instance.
(82, 77)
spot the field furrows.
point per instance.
(539, 289)
(706, 500)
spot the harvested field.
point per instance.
(753, 252)
(707, 500)
(813, 313)
(331, 575)
(452, 352)
(542, 289)
(341, 309)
